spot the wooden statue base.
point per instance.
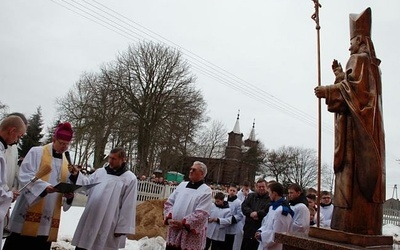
(350, 238)
(327, 239)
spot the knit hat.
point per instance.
(64, 131)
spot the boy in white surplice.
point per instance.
(220, 218)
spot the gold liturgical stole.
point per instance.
(34, 213)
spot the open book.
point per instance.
(64, 187)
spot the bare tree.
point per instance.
(211, 141)
(74, 107)
(156, 85)
(3, 109)
(178, 130)
(145, 100)
(327, 177)
(93, 108)
(302, 166)
(274, 165)
(292, 165)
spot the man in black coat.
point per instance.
(255, 207)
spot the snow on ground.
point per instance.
(69, 221)
(392, 230)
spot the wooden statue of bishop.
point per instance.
(355, 98)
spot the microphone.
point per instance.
(70, 166)
(68, 157)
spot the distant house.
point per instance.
(236, 166)
(392, 204)
(391, 212)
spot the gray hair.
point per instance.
(202, 166)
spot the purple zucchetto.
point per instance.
(64, 131)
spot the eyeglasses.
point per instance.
(64, 144)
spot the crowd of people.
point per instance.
(158, 180)
(238, 218)
(109, 214)
(244, 219)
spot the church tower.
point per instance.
(235, 142)
(251, 141)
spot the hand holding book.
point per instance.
(64, 187)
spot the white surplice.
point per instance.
(301, 219)
(110, 208)
(217, 230)
(5, 195)
(273, 222)
(31, 194)
(11, 156)
(191, 206)
(327, 213)
(236, 210)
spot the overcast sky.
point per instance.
(258, 56)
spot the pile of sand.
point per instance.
(149, 220)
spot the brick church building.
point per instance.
(236, 166)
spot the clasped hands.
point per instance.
(254, 215)
(176, 224)
(257, 235)
(212, 219)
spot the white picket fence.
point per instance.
(146, 191)
(152, 191)
(391, 216)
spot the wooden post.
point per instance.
(315, 17)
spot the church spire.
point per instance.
(251, 141)
(252, 136)
(236, 128)
(235, 142)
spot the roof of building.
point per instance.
(252, 136)
(236, 128)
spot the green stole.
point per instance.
(34, 213)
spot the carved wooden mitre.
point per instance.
(360, 24)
